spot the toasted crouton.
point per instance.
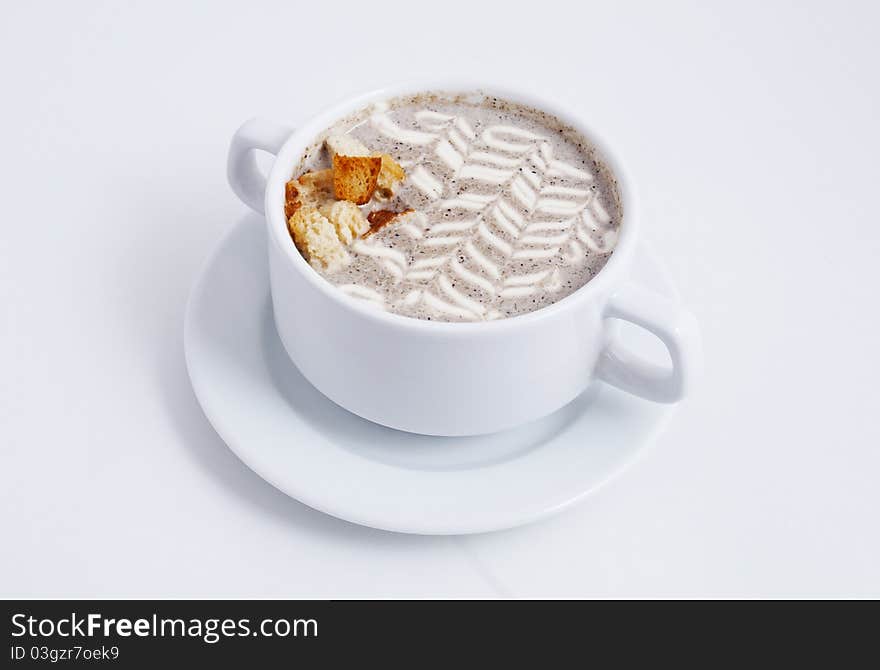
(345, 145)
(347, 218)
(292, 200)
(355, 177)
(380, 218)
(318, 184)
(389, 175)
(316, 239)
(312, 188)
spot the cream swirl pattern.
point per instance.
(512, 211)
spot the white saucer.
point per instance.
(338, 463)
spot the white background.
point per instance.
(752, 132)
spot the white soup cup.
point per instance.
(441, 378)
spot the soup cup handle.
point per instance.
(245, 177)
(675, 326)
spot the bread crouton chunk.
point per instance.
(380, 218)
(317, 184)
(312, 188)
(390, 172)
(345, 145)
(389, 176)
(316, 239)
(347, 218)
(292, 200)
(355, 177)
